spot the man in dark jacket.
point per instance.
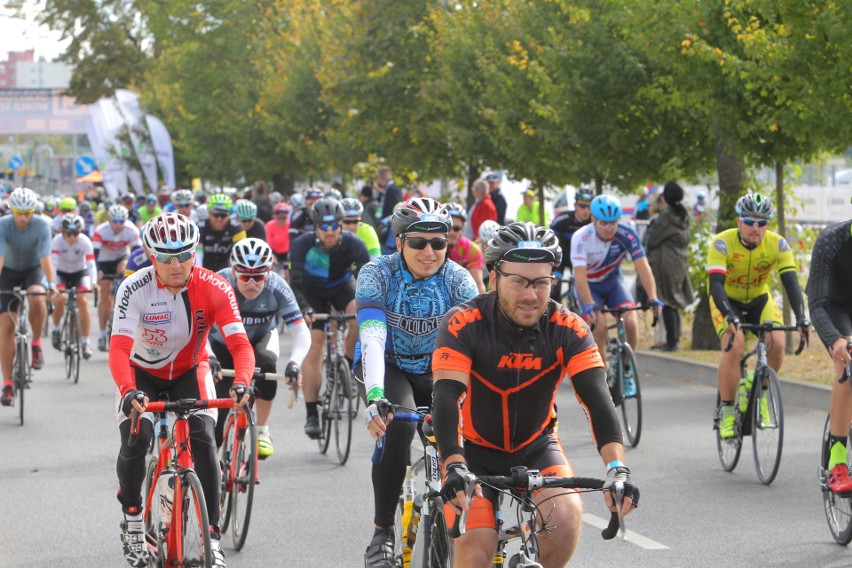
(493, 179)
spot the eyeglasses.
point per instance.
(328, 226)
(351, 221)
(246, 220)
(518, 283)
(168, 258)
(606, 223)
(183, 205)
(23, 211)
(581, 205)
(70, 233)
(117, 221)
(752, 222)
(257, 277)
(457, 228)
(419, 243)
(219, 215)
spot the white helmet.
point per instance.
(170, 233)
(487, 230)
(251, 254)
(117, 213)
(23, 199)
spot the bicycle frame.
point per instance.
(21, 364)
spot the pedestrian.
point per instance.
(493, 179)
(391, 194)
(482, 209)
(530, 210)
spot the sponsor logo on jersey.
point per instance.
(154, 336)
(129, 289)
(159, 317)
(783, 246)
(719, 245)
(461, 318)
(413, 325)
(524, 361)
(571, 321)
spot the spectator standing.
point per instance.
(493, 179)
(263, 202)
(699, 210)
(641, 212)
(667, 249)
(530, 210)
(391, 194)
(371, 206)
(482, 209)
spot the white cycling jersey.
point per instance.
(70, 258)
(114, 245)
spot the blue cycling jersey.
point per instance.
(138, 260)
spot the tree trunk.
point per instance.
(472, 176)
(282, 184)
(782, 230)
(703, 332)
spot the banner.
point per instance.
(128, 105)
(117, 150)
(162, 143)
(113, 169)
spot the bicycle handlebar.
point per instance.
(335, 317)
(620, 311)
(294, 394)
(403, 415)
(770, 326)
(181, 405)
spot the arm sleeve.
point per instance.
(717, 292)
(591, 390)
(372, 329)
(119, 363)
(794, 293)
(447, 398)
(819, 285)
(301, 341)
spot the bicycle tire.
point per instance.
(324, 408)
(838, 510)
(768, 436)
(22, 370)
(341, 398)
(729, 450)
(631, 406)
(192, 522)
(74, 341)
(440, 551)
(399, 537)
(242, 491)
(225, 460)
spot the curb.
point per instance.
(807, 395)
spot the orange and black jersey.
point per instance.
(514, 372)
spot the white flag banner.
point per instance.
(162, 143)
(113, 169)
(128, 105)
(118, 151)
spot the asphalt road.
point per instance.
(58, 507)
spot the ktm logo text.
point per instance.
(520, 361)
(461, 318)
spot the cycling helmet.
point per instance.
(246, 210)
(326, 210)
(251, 254)
(297, 200)
(585, 193)
(334, 194)
(457, 210)
(201, 212)
(49, 204)
(700, 195)
(39, 208)
(352, 207)
(313, 193)
(85, 207)
(421, 215)
(488, 229)
(524, 242)
(117, 213)
(606, 208)
(170, 233)
(219, 202)
(182, 197)
(67, 204)
(23, 199)
(754, 204)
(128, 198)
(281, 208)
(72, 222)
(275, 197)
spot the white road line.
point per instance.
(632, 536)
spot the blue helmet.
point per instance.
(606, 208)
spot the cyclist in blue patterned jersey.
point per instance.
(401, 299)
(323, 264)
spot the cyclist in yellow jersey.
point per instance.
(739, 264)
(353, 211)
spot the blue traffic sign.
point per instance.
(16, 163)
(84, 165)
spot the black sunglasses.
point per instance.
(419, 243)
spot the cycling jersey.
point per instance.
(468, 254)
(257, 230)
(313, 267)
(368, 234)
(110, 245)
(300, 223)
(830, 281)
(22, 250)
(166, 334)
(71, 258)
(145, 215)
(214, 247)
(747, 270)
(601, 258)
(278, 236)
(138, 260)
(514, 372)
(276, 302)
(564, 226)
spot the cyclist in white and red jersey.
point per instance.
(160, 326)
(113, 242)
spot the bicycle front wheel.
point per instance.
(192, 523)
(226, 452)
(838, 510)
(767, 426)
(22, 375)
(72, 350)
(631, 404)
(245, 477)
(325, 405)
(341, 410)
(440, 551)
(729, 448)
(154, 536)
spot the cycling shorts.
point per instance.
(79, 280)
(107, 267)
(322, 300)
(195, 383)
(611, 294)
(9, 278)
(755, 312)
(545, 454)
(265, 358)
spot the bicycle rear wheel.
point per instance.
(192, 523)
(72, 350)
(242, 490)
(729, 449)
(631, 404)
(22, 375)
(324, 409)
(341, 410)
(838, 510)
(226, 465)
(440, 552)
(767, 426)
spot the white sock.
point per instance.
(55, 327)
(263, 429)
(85, 340)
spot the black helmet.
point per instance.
(524, 242)
(421, 215)
(585, 193)
(326, 210)
(457, 210)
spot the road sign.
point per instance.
(16, 163)
(84, 165)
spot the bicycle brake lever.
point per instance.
(618, 497)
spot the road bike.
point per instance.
(339, 400)
(569, 297)
(759, 411)
(71, 343)
(623, 373)
(838, 507)
(421, 539)
(22, 373)
(520, 486)
(116, 281)
(177, 525)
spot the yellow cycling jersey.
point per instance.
(747, 271)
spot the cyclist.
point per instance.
(278, 235)
(300, 219)
(158, 345)
(353, 212)
(129, 202)
(322, 276)
(182, 202)
(830, 306)
(66, 205)
(113, 241)
(88, 218)
(24, 261)
(597, 251)
(246, 213)
(564, 226)
(462, 250)
(498, 363)
(73, 257)
(218, 234)
(150, 209)
(739, 264)
(401, 299)
(264, 299)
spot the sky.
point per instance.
(20, 34)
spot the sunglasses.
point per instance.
(582, 205)
(168, 258)
(457, 228)
(328, 226)
(23, 211)
(419, 243)
(280, 212)
(183, 205)
(246, 220)
(752, 222)
(350, 222)
(117, 221)
(219, 215)
(607, 223)
(249, 276)
(70, 233)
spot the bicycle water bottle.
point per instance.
(745, 387)
(411, 536)
(167, 491)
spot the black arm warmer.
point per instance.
(794, 293)
(590, 388)
(447, 398)
(717, 292)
